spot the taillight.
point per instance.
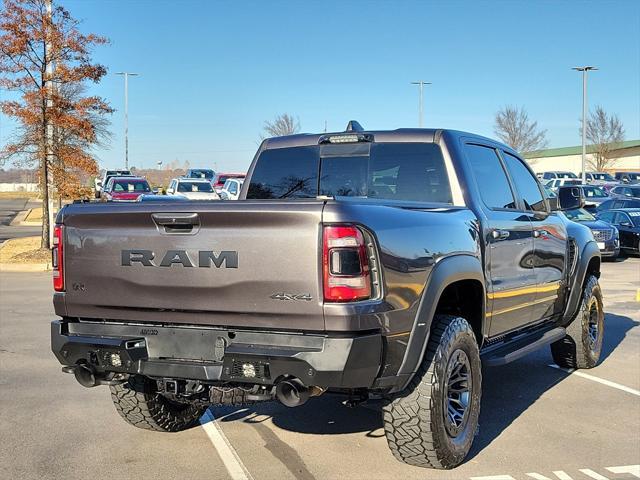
(345, 264)
(57, 260)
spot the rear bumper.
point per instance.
(219, 355)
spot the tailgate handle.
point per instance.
(176, 222)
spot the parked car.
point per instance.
(598, 177)
(556, 174)
(627, 221)
(231, 189)
(200, 173)
(150, 197)
(192, 188)
(220, 179)
(605, 234)
(560, 182)
(632, 191)
(360, 262)
(125, 189)
(594, 195)
(628, 177)
(100, 183)
(618, 202)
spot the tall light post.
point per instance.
(421, 83)
(126, 115)
(584, 71)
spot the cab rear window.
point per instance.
(393, 171)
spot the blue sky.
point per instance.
(212, 72)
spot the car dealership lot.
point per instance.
(535, 420)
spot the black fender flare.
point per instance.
(445, 272)
(587, 254)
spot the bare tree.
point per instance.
(605, 133)
(513, 127)
(283, 124)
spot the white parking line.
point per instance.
(228, 454)
(624, 388)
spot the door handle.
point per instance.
(177, 222)
(500, 234)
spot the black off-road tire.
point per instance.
(139, 403)
(582, 345)
(416, 423)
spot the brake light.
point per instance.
(345, 264)
(57, 260)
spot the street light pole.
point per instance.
(126, 115)
(584, 71)
(422, 83)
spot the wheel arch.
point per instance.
(588, 264)
(450, 276)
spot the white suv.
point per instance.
(192, 188)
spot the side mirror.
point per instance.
(553, 203)
(155, 190)
(625, 224)
(169, 191)
(99, 184)
(570, 198)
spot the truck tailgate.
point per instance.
(247, 264)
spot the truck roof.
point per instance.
(427, 135)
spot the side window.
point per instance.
(490, 176)
(620, 218)
(607, 217)
(526, 184)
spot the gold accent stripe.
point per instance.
(521, 305)
(525, 290)
(401, 334)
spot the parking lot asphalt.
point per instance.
(9, 208)
(536, 421)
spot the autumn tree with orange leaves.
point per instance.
(46, 61)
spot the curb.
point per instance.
(19, 218)
(25, 267)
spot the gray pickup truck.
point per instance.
(383, 265)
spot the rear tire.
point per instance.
(433, 422)
(139, 404)
(582, 345)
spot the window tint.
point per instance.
(394, 171)
(606, 216)
(594, 192)
(194, 187)
(526, 184)
(285, 173)
(126, 186)
(490, 176)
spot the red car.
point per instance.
(125, 189)
(220, 178)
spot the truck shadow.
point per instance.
(508, 391)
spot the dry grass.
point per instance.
(35, 215)
(24, 250)
(15, 195)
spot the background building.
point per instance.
(570, 158)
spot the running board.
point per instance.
(522, 346)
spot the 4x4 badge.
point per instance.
(292, 296)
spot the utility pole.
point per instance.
(126, 115)
(422, 83)
(584, 71)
